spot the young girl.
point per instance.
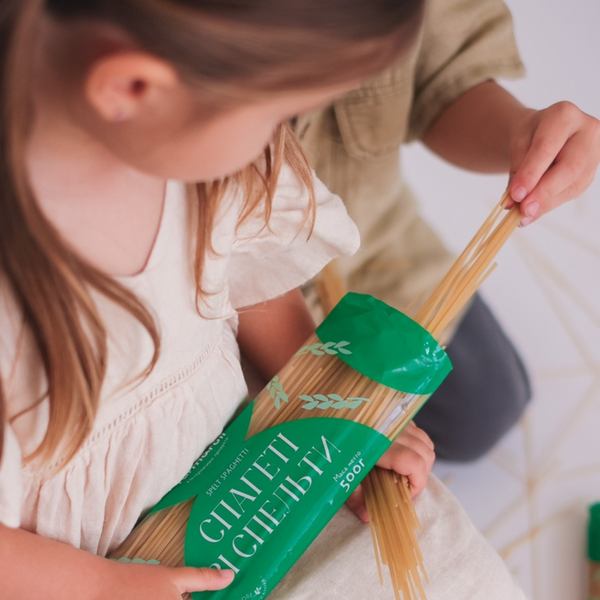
(148, 192)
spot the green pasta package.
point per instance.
(262, 492)
(267, 486)
(594, 552)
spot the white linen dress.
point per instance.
(149, 431)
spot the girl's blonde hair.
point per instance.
(232, 50)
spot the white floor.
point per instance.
(530, 496)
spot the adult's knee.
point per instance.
(492, 413)
(483, 397)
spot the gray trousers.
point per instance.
(484, 395)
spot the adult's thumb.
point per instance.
(189, 579)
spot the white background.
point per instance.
(530, 496)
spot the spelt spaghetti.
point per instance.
(317, 380)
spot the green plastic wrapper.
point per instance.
(594, 533)
(594, 552)
(263, 494)
(394, 350)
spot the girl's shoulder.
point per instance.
(269, 257)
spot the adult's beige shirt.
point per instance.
(354, 145)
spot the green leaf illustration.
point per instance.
(328, 348)
(324, 405)
(340, 347)
(339, 404)
(356, 402)
(319, 349)
(276, 392)
(334, 401)
(137, 561)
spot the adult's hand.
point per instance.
(551, 155)
(554, 154)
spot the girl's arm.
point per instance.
(270, 333)
(551, 154)
(35, 567)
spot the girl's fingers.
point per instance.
(414, 461)
(411, 455)
(189, 579)
(408, 457)
(412, 429)
(414, 435)
(415, 467)
(356, 503)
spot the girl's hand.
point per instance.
(554, 154)
(130, 581)
(412, 455)
(59, 571)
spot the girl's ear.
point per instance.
(118, 85)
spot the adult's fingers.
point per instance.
(570, 175)
(552, 130)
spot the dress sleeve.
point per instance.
(268, 261)
(465, 42)
(11, 487)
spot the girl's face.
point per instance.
(178, 140)
(106, 94)
(137, 107)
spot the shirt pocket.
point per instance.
(373, 119)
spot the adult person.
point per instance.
(443, 92)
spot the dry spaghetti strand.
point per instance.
(393, 520)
